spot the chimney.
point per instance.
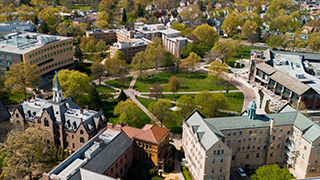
(46, 176)
(117, 127)
(109, 125)
(87, 108)
(81, 111)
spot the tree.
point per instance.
(227, 48)
(62, 29)
(122, 96)
(210, 104)
(119, 55)
(48, 14)
(78, 53)
(156, 91)
(314, 41)
(217, 69)
(227, 84)
(155, 52)
(186, 64)
(274, 41)
(22, 75)
(124, 15)
(250, 30)
(212, 55)
(231, 23)
(206, 35)
(74, 83)
(186, 50)
(85, 40)
(272, 171)
(161, 110)
(97, 70)
(26, 153)
(101, 46)
(102, 20)
(91, 46)
(128, 112)
(140, 63)
(187, 105)
(94, 100)
(174, 84)
(168, 165)
(25, 13)
(190, 12)
(113, 66)
(44, 28)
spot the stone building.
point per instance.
(214, 145)
(70, 125)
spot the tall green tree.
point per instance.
(272, 171)
(101, 45)
(314, 41)
(95, 102)
(174, 84)
(274, 41)
(161, 110)
(187, 105)
(74, 83)
(119, 55)
(209, 104)
(26, 153)
(227, 48)
(22, 75)
(97, 70)
(251, 31)
(122, 96)
(140, 63)
(114, 66)
(217, 69)
(231, 23)
(156, 91)
(124, 15)
(129, 113)
(206, 35)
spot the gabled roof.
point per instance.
(56, 86)
(266, 68)
(4, 113)
(149, 133)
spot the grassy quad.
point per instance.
(9, 98)
(105, 89)
(194, 82)
(116, 83)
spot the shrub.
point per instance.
(168, 165)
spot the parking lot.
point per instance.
(236, 175)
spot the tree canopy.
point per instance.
(206, 35)
(217, 69)
(272, 171)
(209, 104)
(231, 23)
(97, 70)
(161, 110)
(128, 112)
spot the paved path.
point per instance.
(194, 92)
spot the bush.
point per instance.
(153, 171)
(168, 165)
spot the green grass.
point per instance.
(84, 68)
(9, 98)
(145, 102)
(105, 89)
(116, 83)
(85, 8)
(156, 178)
(90, 56)
(243, 54)
(185, 173)
(194, 82)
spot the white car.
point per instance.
(241, 172)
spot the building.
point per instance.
(287, 75)
(214, 145)
(6, 27)
(109, 36)
(4, 113)
(150, 144)
(50, 53)
(70, 125)
(106, 156)
(129, 50)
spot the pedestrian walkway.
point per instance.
(194, 92)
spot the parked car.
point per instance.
(248, 171)
(241, 172)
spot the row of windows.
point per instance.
(221, 168)
(7, 56)
(7, 62)
(47, 56)
(218, 152)
(254, 139)
(253, 147)
(47, 49)
(146, 146)
(255, 132)
(214, 161)
(58, 63)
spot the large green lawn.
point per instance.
(85, 8)
(116, 83)
(105, 89)
(194, 82)
(102, 56)
(9, 98)
(243, 54)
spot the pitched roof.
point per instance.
(149, 133)
(266, 68)
(4, 113)
(56, 86)
(290, 82)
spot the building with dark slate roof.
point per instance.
(70, 125)
(106, 156)
(4, 113)
(213, 146)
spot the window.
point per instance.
(302, 156)
(248, 147)
(244, 140)
(218, 153)
(214, 152)
(213, 161)
(233, 157)
(72, 145)
(212, 170)
(281, 129)
(239, 140)
(46, 122)
(247, 156)
(2, 61)
(81, 131)
(220, 169)
(239, 148)
(240, 133)
(121, 171)
(280, 137)
(250, 132)
(81, 140)
(271, 154)
(275, 130)
(261, 131)
(278, 146)
(9, 63)
(258, 148)
(235, 133)
(249, 139)
(111, 170)
(1, 55)
(8, 56)
(258, 155)
(17, 115)
(253, 147)
(116, 165)
(221, 160)
(305, 147)
(273, 138)
(229, 133)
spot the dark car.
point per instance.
(248, 171)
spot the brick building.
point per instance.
(70, 125)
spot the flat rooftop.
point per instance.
(24, 43)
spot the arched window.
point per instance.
(17, 115)
(81, 131)
(81, 140)
(46, 122)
